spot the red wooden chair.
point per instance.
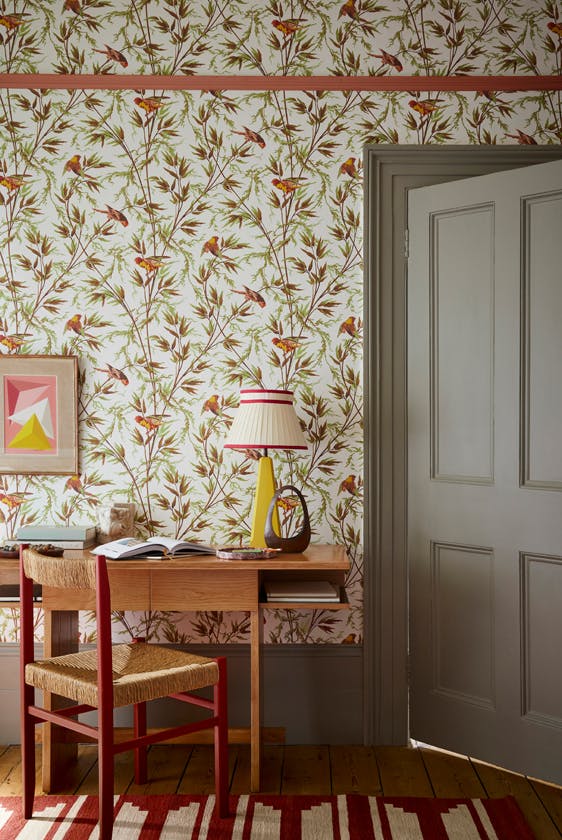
(109, 677)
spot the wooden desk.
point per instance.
(184, 584)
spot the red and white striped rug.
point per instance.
(350, 817)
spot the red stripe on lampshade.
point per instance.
(266, 402)
(264, 395)
(264, 391)
(261, 446)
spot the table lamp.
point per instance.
(265, 420)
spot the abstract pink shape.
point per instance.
(21, 393)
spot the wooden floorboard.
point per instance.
(306, 769)
(498, 782)
(321, 770)
(451, 775)
(402, 772)
(355, 770)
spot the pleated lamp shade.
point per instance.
(265, 420)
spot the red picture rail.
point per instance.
(107, 81)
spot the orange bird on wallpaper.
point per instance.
(12, 500)
(522, 138)
(74, 483)
(388, 58)
(286, 185)
(349, 168)
(425, 107)
(555, 27)
(75, 324)
(72, 6)
(286, 345)
(349, 639)
(149, 422)
(12, 342)
(211, 246)
(287, 503)
(149, 103)
(252, 137)
(114, 373)
(12, 182)
(349, 485)
(349, 326)
(288, 27)
(348, 9)
(11, 21)
(212, 404)
(114, 55)
(114, 214)
(150, 263)
(250, 294)
(252, 454)
(74, 164)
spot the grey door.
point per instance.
(485, 467)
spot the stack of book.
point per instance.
(79, 536)
(303, 591)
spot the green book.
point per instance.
(53, 532)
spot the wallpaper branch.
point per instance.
(183, 241)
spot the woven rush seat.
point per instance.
(140, 672)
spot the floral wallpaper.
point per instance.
(185, 244)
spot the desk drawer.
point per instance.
(128, 592)
(204, 590)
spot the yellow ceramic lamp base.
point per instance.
(265, 490)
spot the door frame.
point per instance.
(389, 172)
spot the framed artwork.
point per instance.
(38, 415)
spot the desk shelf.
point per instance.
(342, 604)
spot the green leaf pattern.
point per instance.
(185, 244)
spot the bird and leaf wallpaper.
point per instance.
(184, 244)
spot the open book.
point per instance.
(157, 546)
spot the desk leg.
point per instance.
(256, 638)
(60, 636)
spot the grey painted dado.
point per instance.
(9, 694)
(313, 691)
(390, 172)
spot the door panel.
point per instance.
(542, 340)
(461, 285)
(460, 576)
(484, 467)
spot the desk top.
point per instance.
(316, 557)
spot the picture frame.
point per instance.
(38, 415)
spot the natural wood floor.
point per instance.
(388, 771)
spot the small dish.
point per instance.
(235, 552)
(48, 550)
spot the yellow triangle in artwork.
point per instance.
(31, 436)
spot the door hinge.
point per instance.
(406, 243)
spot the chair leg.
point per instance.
(139, 717)
(105, 772)
(27, 754)
(220, 696)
